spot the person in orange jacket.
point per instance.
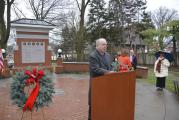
(124, 61)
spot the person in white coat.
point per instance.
(161, 71)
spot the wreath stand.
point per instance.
(43, 115)
(42, 110)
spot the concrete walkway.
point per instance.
(70, 101)
(155, 105)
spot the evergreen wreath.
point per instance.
(28, 79)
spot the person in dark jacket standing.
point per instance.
(99, 64)
(133, 59)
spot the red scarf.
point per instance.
(158, 67)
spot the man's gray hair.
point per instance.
(98, 41)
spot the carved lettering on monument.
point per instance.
(33, 52)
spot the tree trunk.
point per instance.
(2, 25)
(174, 51)
(9, 3)
(80, 35)
(122, 22)
(80, 43)
(143, 52)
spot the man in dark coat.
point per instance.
(133, 59)
(99, 64)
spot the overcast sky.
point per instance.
(155, 4)
(151, 5)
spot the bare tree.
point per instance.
(80, 35)
(163, 15)
(17, 11)
(50, 10)
(5, 28)
(54, 11)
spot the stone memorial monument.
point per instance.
(32, 43)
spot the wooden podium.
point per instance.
(113, 96)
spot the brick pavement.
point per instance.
(69, 102)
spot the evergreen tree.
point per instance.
(68, 42)
(113, 22)
(97, 13)
(69, 39)
(122, 13)
(144, 24)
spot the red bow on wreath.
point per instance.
(33, 78)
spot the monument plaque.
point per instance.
(33, 52)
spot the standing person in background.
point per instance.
(99, 64)
(161, 71)
(115, 63)
(124, 61)
(1, 62)
(133, 59)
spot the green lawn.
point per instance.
(169, 83)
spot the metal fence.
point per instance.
(149, 59)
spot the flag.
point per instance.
(1, 61)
